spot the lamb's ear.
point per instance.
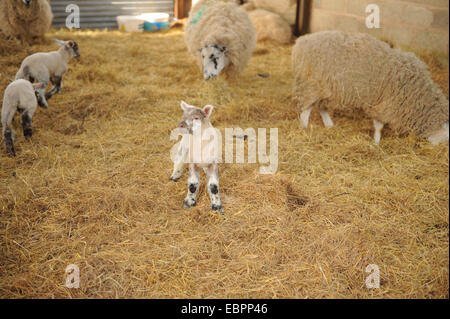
(208, 110)
(60, 42)
(37, 86)
(185, 106)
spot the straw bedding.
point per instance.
(92, 188)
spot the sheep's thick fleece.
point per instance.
(341, 71)
(221, 23)
(16, 20)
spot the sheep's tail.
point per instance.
(24, 73)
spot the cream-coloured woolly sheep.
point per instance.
(22, 96)
(220, 36)
(346, 71)
(270, 26)
(25, 19)
(48, 66)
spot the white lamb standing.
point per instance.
(48, 66)
(25, 19)
(22, 96)
(198, 147)
(220, 36)
(348, 71)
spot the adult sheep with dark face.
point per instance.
(337, 71)
(220, 36)
(25, 19)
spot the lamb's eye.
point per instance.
(196, 118)
(211, 56)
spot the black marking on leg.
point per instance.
(216, 207)
(192, 188)
(214, 189)
(27, 126)
(9, 143)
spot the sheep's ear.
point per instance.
(37, 86)
(184, 106)
(60, 43)
(208, 110)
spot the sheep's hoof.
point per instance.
(188, 203)
(28, 133)
(217, 207)
(11, 151)
(174, 179)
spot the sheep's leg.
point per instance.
(178, 164)
(326, 119)
(213, 187)
(378, 127)
(27, 124)
(8, 133)
(42, 101)
(193, 184)
(57, 85)
(304, 117)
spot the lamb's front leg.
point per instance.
(178, 164)
(193, 185)
(213, 187)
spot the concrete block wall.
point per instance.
(418, 24)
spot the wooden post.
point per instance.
(179, 9)
(302, 17)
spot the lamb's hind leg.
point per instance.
(27, 124)
(57, 85)
(377, 135)
(213, 187)
(8, 133)
(193, 185)
(42, 101)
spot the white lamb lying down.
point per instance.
(48, 66)
(200, 149)
(20, 96)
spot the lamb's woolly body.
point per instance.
(48, 66)
(44, 64)
(18, 21)
(19, 95)
(270, 26)
(221, 23)
(341, 71)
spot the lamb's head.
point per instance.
(439, 136)
(214, 60)
(27, 3)
(194, 117)
(70, 46)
